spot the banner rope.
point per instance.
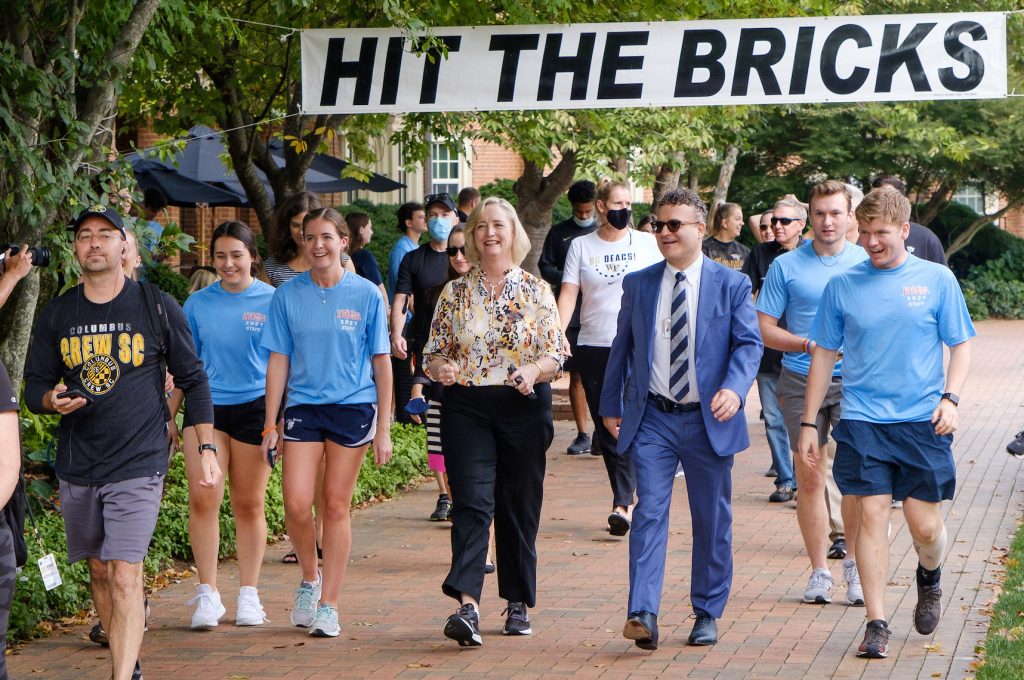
(185, 138)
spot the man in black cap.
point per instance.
(97, 358)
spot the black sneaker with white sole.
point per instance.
(517, 622)
(464, 627)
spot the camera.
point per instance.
(40, 254)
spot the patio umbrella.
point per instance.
(181, 191)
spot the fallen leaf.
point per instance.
(936, 647)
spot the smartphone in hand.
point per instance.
(74, 393)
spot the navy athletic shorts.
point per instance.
(348, 425)
(907, 460)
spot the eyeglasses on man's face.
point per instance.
(657, 226)
(785, 221)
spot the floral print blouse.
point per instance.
(486, 331)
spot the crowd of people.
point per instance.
(306, 358)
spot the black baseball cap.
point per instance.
(106, 212)
(446, 199)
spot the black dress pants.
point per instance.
(495, 441)
(592, 363)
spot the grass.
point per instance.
(1003, 656)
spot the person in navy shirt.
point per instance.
(226, 319)
(328, 338)
(892, 315)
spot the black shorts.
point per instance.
(241, 422)
(572, 334)
(8, 397)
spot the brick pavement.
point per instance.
(393, 611)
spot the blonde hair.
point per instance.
(520, 240)
(605, 187)
(201, 278)
(884, 203)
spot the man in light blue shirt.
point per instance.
(793, 289)
(892, 315)
(412, 222)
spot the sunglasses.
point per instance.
(785, 221)
(657, 226)
(454, 250)
(437, 198)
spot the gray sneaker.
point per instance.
(819, 587)
(304, 607)
(325, 623)
(854, 593)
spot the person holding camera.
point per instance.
(16, 264)
(97, 358)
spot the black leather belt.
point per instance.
(668, 406)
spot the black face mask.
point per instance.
(619, 218)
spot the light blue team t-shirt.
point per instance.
(329, 336)
(226, 328)
(892, 324)
(401, 248)
(794, 285)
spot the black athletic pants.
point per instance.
(7, 572)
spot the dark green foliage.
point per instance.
(1003, 656)
(169, 281)
(384, 218)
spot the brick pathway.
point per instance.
(393, 610)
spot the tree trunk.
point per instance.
(620, 166)
(963, 239)
(939, 200)
(536, 196)
(665, 180)
(724, 178)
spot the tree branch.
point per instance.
(963, 239)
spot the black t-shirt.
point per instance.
(923, 243)
(552, 258)
(732, 254)
(8, 397)
(366, 266)
(421, 270)
(109, 352)
(756, 267)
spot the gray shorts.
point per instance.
(112, 521)
(790, 391)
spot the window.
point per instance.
(971, 195)
(444, 170)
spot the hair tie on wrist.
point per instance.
(268, 430)
(810, 425)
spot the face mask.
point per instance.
(619, 218)
(583, 224)
(439, 228)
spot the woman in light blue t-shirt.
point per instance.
(226, 319)
(328, 341)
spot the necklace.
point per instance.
(835, 257)
(322, 291)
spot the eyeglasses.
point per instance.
(657, 226)
(454, 250)
(785, 221)
(106, 236)
(437, 198)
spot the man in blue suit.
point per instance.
(685, 354)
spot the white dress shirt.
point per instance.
(662, 364)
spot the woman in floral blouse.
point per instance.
(495, 343)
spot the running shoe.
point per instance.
(325, 623)
(517, 622)
(580, 445)
(98, 635)
(854, 593)
(250, 610)
(819, 587)
(442, 509)
(876, 640)
(464, 627)
(929, 606)
(783, 493)
(1016, 447)
(209, 608)
(304, 607)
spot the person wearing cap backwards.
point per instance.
(422, 269)
(98, 340)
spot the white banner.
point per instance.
(678, 63)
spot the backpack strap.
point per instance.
(160, 325)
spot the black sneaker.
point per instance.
(876, 640)
(837, 550)
(782, 494)
(517, 622)
(441, 510)
(580, 445)
(98, 635)
(928, 608)
(136, 674)
(1016, 447)
(464, 627)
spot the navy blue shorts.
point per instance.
(907, 460)
(348, 425)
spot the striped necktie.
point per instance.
(679, 380)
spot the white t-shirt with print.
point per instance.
(597, 267)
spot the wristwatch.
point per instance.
(207, 447)
(950, 397)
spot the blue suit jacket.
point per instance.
(727, 351)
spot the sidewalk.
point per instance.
(392, 609)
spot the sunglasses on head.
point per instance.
(785, 221)
(454, 250)
(657, 226)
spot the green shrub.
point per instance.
(33, 605)
(1002, 299)
(976, 307)
(168, 280)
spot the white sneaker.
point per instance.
(307, 597)
(819, 587)
(250, 610)
(208, 608)
(854, 593)
(325, 623)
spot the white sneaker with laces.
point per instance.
(854, 593)
(819, 587)
(304, 607)
(250, 609)
(325, 623)
(208, 608)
